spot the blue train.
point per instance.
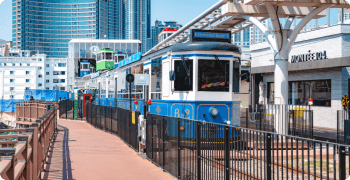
(199, 80)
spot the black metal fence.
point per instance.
(121, 122)
(343, 127)
(66, 109)
(298, 119)
(191, 149)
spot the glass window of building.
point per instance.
(27, 72)
(27, 88)
(62, 80)
(12, 88)
(56, 73)
(63, 72)
(40, 76)
(27, 80)
(40, 84)
(12, 96)
(12, 72)
(47, 65)
(55, 80)
(62, 88)
(12, 80)
(47, 81)
(299, 92)
(47, 73)
(62, 64)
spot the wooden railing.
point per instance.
(23, 152)
(30, 111)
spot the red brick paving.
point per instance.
(95, 154)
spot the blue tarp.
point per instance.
(46, 95)
(8, 105)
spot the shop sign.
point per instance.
(309, 57)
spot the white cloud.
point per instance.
(1, 1)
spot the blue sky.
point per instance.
(181, 11)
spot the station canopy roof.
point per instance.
(227, 15)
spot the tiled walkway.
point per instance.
(84, 152)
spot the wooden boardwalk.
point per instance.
(81, 151)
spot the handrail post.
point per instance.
(23, 139)
(10, 153)
(152, 135)
(198, 129)
(268, 156)
(342, 160)
(30, 165)
(227, 152)
(35, 151)
(163, 134)
(178, 150)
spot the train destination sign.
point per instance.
(309, 57)
(208, 35)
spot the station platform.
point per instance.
(81, 151)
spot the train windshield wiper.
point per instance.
(188, 73)
(222, 68)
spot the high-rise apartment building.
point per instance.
(46, 26)
(250, 35)
(137, 21)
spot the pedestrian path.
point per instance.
(81, 151)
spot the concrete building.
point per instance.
(319, 68)
(38, 72)
(5, 47)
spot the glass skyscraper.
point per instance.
(46, 26)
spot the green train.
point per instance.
(105, 59)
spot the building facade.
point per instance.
(20, 73)
(46, 26)
(319, 68)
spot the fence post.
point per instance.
(178, 150)
(338, 126)
(163, 134)
(198, 150)
(268, 156)
(66, 109)
(246, 118)
(312, 124)
(342, 160)
(227, 153)
(152, 134)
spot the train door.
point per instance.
(146, 92)
(86, 98)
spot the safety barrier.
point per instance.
(66, 109)
(121, 122)
(191, 149)
(299, 119)
(23, 152)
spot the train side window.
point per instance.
(183, 75)
(211, 75)
(108, 55)
(236, 77)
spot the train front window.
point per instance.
(108, 55)
(213, 75)
(183, 75)
(85, 66)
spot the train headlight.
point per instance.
(214, 111)
(228, 122)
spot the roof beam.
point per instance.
(233, 9)
(301, 3)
